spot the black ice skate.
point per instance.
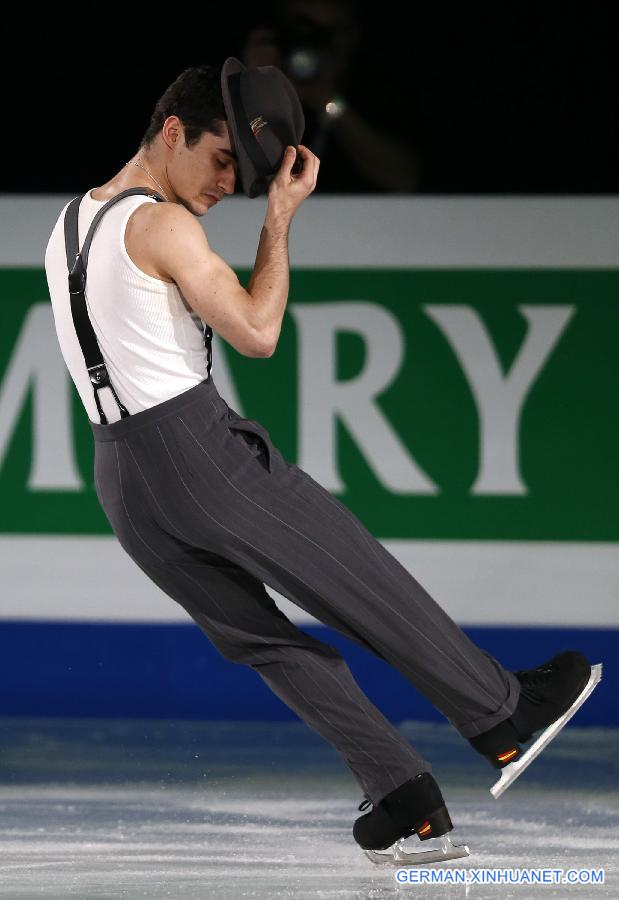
(549, 696)
(415, 807)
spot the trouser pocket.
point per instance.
(255, 437)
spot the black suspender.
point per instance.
(77, 263)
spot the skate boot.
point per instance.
(549, 696)
(415, 807)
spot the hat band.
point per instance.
(251, 146)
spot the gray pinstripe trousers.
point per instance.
(207, 506)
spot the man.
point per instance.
(202, 500)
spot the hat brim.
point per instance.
(256, 171)
(233, 66)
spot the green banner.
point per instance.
(451, 404)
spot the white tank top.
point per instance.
(151, 340)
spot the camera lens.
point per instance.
(304, 43)
(303, 63)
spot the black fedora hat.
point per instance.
(264, 117)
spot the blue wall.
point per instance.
(161, 671)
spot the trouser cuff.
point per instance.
(489, 720)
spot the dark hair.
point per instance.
(195, 97)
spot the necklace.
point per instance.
(140, 166)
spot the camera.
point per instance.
(303, 44)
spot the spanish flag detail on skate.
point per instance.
(507, 755)
(425, 829)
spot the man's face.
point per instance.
(205, 172)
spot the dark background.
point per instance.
(523, 100)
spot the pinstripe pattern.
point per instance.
(207, 506)
(467, 671)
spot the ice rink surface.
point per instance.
(150, 808)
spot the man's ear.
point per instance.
(173, 132)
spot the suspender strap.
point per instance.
(77, 263)
(208, 343)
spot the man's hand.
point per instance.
(287, 191)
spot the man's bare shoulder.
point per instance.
(159, 227)
(164, 217)
(163, 238)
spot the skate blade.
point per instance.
(397, 856)
(513, 770)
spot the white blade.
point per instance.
(399, 856)
(516, 768)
